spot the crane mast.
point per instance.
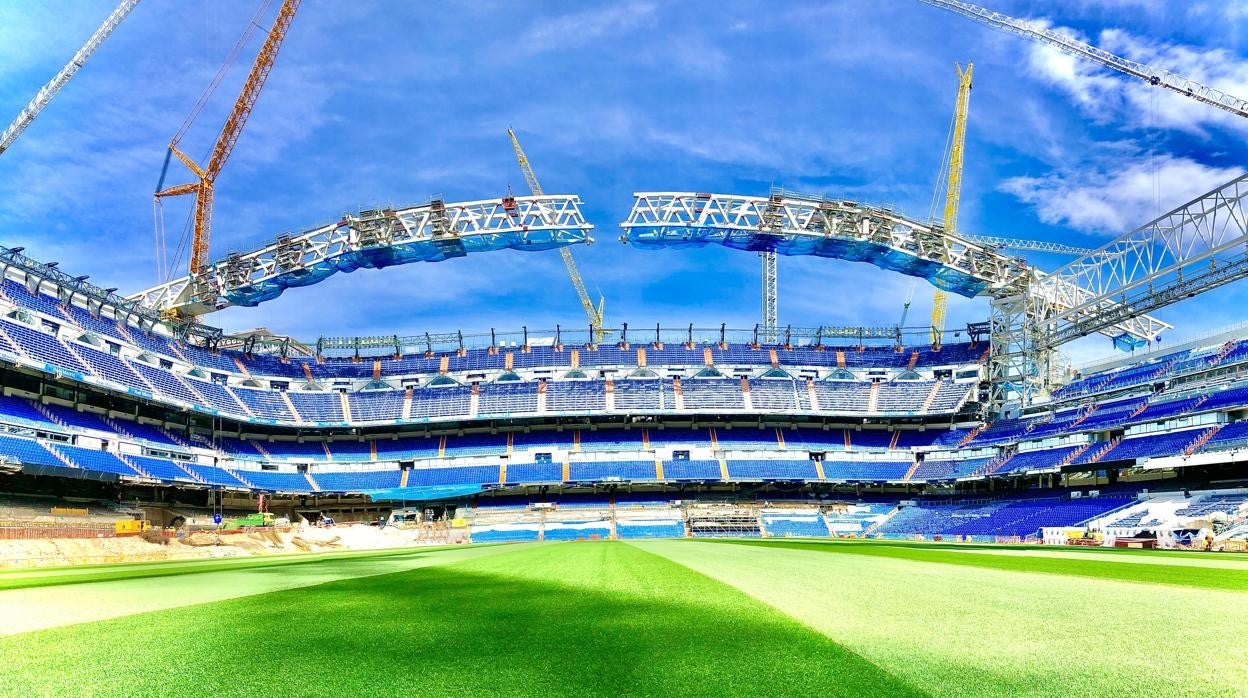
(206, 176)
(569, 262)
(1153, 76)
(953, 187)
(50, 90)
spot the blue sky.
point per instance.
(386, 102)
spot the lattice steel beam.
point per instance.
(1194, 248)
(430, 232)
(798, 225)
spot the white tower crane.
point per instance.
(1153, 76)
(45, 94)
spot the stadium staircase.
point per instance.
(346, 404)
(242, 406)
(137, 468)
(745, 394)
(474, 400)
(873, 399)
(261, 449)
(1223, 353)
(810, 392)
(1202, 439)
(1084, 414)
(1070, 457)
(16, 347)
(910, 473)
(931, 396)
(404, 477)
(238, 474)
(870, 530)
(242, 368)
(678, 394)
(407, 404)
(328, 454)
(819, 471)
(1104, 450)
(541, 396)
(290, 405)
(914, 360)
(1136, 412)
(610, 394)
(311, 483)
(973, 433)
(175, 347)
(998, 461)
(43, 410)
(69, 346)
(61, 456)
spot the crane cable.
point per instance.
(165, 268)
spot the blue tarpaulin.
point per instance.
(422, 494)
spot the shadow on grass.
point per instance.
(28, 579)
(1175, 575)
(629, 623)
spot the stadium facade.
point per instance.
(835, 432)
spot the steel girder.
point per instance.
(431, 232)
(1196, 247)
(799, 225)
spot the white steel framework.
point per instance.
(429, 232)
(801, 225)
(1032, 312)
(1153, 76)
(48, 91)
(771, 297)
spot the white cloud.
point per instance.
(581, 28)
(1107, 96)
(1115, 196)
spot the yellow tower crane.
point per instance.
(206, 176)
(593, 313)
(953, 188)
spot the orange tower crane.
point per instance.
(206, 176)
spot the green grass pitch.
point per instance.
(734, 618)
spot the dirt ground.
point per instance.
(299, 538)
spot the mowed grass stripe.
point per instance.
(1091, 566)
(575, 619)
(39, 608)
(967, 631)
(52, 576)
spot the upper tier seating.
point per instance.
(507, 398)
(42, 346)
(376, 405)
(355, 481)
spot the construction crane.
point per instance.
(569, 262)
(1153, 76)
(905, 308)
(1031, 245)
(953, 188)
(50, 90)
(206, 176)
